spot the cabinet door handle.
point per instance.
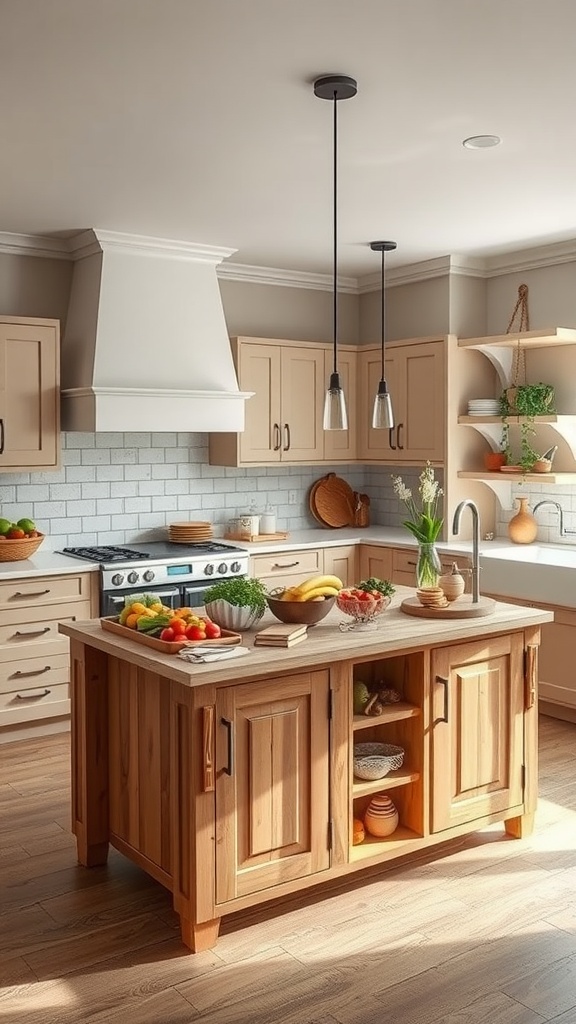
(34, 632)
(277, 438)
(390, 436)
(1, 435)
(286, 447)
(29, 694)
(36, 672)
(530, 676)
(398, 436)
(444, 683)
(229, 769)
(35, 593)
(208, 747)
(285, 565)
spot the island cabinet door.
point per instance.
(477, 720)
(272, 810)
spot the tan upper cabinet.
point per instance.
(415, 373)
(284, 416)
(476, 771)
(29, 393)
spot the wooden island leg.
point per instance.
(520, 827)
(199, 937)
(89, 705)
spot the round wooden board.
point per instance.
(462, 608)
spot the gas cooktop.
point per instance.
(155, 550)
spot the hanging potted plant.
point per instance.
(526, 401)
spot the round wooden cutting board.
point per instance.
(463, 608)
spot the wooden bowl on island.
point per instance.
(306, 612)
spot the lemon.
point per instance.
(139, 608)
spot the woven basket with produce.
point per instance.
(307, 603)
(18, 540)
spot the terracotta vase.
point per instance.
(522, 528)
(452, 584)
(493, 461)
(381, 818)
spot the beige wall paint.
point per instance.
(34, 286)
(298, 314)
(412, 311)
(467, 306)
(551, 298)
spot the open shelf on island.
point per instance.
(371, 847)
(400, 777)
(391, 713)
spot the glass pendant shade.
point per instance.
(335, 415)
(382, 414)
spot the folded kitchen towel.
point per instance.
(206, 654)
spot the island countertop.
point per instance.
(326, 643)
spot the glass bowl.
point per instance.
(364, 613)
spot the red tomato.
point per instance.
(195, 633)
(364, 596)
(16, 533)
(212, 631)
(178, 626)
(167, 634)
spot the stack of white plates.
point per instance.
(483, 407)
(189, 533)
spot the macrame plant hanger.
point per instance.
(519, 362)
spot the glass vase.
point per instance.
(428, 566)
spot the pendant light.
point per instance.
(382, 414)
(334, 88)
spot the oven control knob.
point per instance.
(148, 575)
(235, 567)
(223, 568)
(133, 577)
(117, 580)
(208, 569)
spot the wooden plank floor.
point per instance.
(480, 932)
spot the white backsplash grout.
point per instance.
(117, 488)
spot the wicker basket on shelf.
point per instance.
(19, 550)
(375, 760)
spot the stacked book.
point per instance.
(283, 634)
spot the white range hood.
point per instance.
(145, 346)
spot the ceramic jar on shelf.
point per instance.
(523, 527)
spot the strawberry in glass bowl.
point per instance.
(364, 603)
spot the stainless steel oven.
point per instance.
(179, 574)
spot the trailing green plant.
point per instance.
(240, 591)
(527, 401)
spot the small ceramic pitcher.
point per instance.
(452, 583)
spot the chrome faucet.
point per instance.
(548, 501)
(475, 543)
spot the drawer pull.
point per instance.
(277, 438)
(207, 745)
(34, 632)
(35, 672)
(36, 593)
(33, 693)
(444, 682)
(285, 565)
(229, 769)
(2, 436)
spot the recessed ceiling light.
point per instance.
(482, 141)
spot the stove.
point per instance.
(178, 573)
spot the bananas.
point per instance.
(316, 588)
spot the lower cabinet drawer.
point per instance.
(37, 591)
(296, 563)
(28, 705)
(404, 561)
(34, 673)
(33, 637)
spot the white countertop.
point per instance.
(45, 563)
(397, 537)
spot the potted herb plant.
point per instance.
(236, 603)
(526, 401)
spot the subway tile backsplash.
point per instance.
(117, 488)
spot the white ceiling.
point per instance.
(197, 120)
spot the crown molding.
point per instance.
(285, 278)
(85, 243)
(532, 259)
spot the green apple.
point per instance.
(28, 525)
(5, 525)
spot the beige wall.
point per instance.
(412, 311)
(468, 302)
(298, 314)
(34, 286)
(551, 298)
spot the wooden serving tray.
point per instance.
(255, 537)
(112, 625)
(462, 608)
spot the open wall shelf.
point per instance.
(491, 427)
(499, 349)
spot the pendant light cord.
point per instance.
(335, 228)
(382, 318)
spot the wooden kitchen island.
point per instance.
(232, 783)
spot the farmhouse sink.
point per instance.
(533, 572)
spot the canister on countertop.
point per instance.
(268, 520)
